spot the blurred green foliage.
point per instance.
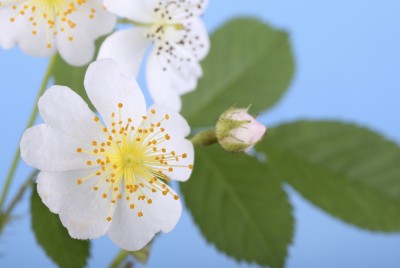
(349, 171)
(249, 63)
(240, 206)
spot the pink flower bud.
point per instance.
(237, 131)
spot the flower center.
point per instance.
(133, 161)
(55, 15)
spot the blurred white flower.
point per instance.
(237, 131)
(106, 175)
(179, 40)
(42, 27)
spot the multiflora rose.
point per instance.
(109, 173)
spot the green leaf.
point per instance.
(54, 238)
(249, 63)
(349, 171)
(239, 206)
(71, 76)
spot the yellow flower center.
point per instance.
(129, 161)
(56, 15)
(133, 161)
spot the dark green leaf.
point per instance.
(239, 206)
(54, 238)
(71, 76)
(349, 171)
(249, 63)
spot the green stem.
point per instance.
(205, 138)
(6, 216)
(119, 259)
(30, 123)
(27, 184)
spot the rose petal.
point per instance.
(127, 48)
(82, 210)
(107, 88)
(131, 232)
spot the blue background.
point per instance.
(348, 65)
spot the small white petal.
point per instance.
(107, 88)
(185, 79)
(131, 232)
(197, 6)
(127, 48)
(176, 125)
(40, 44)
(101, 24)
(182, 169)
(177, 128)
(82, 210)
(78, 52)
(199, 31)
(160, 84)
(47, 149)
(65, 111)
(138, 10)
(77, 46)
(9, 30)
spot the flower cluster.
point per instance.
(109, 173)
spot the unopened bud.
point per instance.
(237, 131)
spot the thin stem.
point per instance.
(6, 216)
(30, 123)
(27, 184)
(205, 138)
(118, 260)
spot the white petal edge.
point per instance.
(47, 149)
(81, 49)
(36, 45)
(181, 170)
(185, 80)
(159, 83)
(133, 233)
(82, 210)
(107, 87)
(199, 29)
(198, 11)
(177, 127)
(127, 48)
(138, 10)
(65, 111)
(78, 52)
(9, 32)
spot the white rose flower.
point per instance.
(179, 40)
(41, 28)
(107, 175)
